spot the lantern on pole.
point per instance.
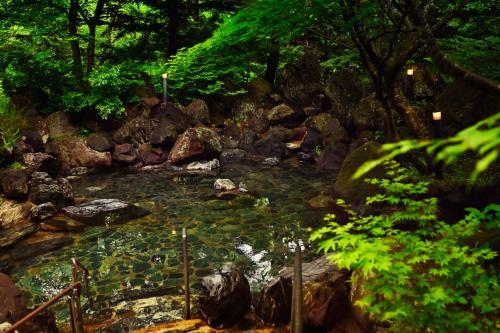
(165, 86)
(410, 84)
(436, 124)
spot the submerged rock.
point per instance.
(105, 211)
(224, 185)
(225, 297)
(271, 161)
(39, 243)
(203, 165)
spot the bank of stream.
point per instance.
(254, 232)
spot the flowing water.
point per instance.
(253, 232)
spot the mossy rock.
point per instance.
(352, 190)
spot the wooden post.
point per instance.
(186, 273)
(297, 297)
(76, 308)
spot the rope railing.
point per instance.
(74, 290)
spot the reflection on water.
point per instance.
(253, 232)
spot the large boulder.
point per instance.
(196, 143)
(14, 184)
(104, 211)
(99, 142)
(15, 221)
(13, 308)
(125, 153)
(301, 81)
(45, 189)
(60, 126)
(175, 115)
(12, 303)
(325, 296)
(39, 243)
(136, 132)
(198, 110)
(42, 162)
(355, 191)
(225, 297)
(74, 153)
(164, 133)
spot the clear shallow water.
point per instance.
(145, 253)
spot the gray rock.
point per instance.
(43, 211)
(224, 184)
(225, 297)
(42, 162)
(271, 161)
(105, 211)
(203, 165)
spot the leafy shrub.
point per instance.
(10, 123)
(422, 275)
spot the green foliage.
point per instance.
(317, 150)
(228, 57)
(482, 139)
(10, 123)
(84, 132)
(17, 166)
(420, 274)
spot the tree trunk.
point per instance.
(174, 22)
(75, 45)
(441, 60)
(273, 61)
(92, 25)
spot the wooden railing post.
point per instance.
(76, 308)
(186, 273)
(296, 325)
